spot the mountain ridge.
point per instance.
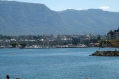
(21, 18)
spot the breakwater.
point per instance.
(106, 53)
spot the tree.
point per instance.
(23, 44)
(14, 44)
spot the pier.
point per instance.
(105, 53)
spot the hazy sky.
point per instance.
(58, 5)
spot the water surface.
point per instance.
(60, 63)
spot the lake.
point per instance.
(57, 63)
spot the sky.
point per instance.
(59, 5)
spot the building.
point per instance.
(113, 35)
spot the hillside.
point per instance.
(19, 18)
(93, 21)
(28, 18)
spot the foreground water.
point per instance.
(61, 63)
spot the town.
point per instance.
(60, 41)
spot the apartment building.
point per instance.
(113, 35)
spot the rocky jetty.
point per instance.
(105, 53)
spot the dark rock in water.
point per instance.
(105, 53)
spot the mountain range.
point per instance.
(21, 18)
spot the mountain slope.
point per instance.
(91, 21)
(19, 18)
(28, 18)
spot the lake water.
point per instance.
(57, 63)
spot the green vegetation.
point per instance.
(5, 37)
(23, 44)
(114, 43)
(109, 43)
(14, 44)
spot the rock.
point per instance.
(105, 53)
